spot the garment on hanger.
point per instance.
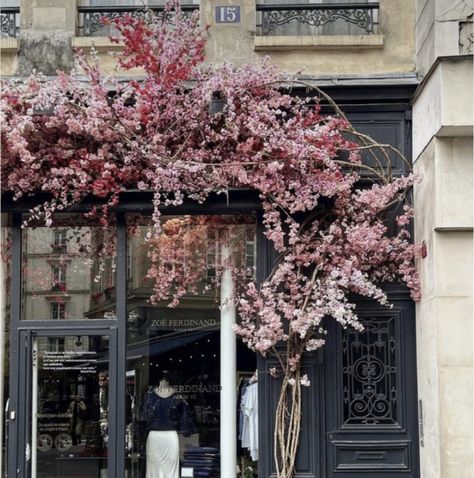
(241, 392)
(249, 407)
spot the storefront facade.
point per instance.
(80, 356)
(88, 350)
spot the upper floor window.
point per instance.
(58, 311)
(58, 273)
(10, 18)
(56, 344)
(92, 11)
(59, 240)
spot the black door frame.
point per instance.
(235, 202)
(20, 338)
(20, 446)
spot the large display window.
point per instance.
(185, 370)
(124, 358)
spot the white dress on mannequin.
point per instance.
(162, 454)
(162, 445)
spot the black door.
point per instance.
(371, 398)
(62, 423)
(359, 416)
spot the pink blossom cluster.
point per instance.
(104, 136)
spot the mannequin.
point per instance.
(164, 389)
(166, 415)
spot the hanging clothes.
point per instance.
(249, 408)
(241, 392)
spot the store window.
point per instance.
(5, 317)
(68, 270)
(180, 406)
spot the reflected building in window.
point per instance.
(68, 271)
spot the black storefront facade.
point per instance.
(359, 415)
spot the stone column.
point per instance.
(442, 152)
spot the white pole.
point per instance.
(228, 363)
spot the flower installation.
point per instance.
(325, 190)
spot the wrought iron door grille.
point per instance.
(369, 373)
(272, 18)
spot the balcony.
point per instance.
(317, 19)
(10, 21)
(90, 23)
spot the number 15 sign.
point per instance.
(228, 14)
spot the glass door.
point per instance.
(70, 417)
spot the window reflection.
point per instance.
(68, 270)
(174, 390)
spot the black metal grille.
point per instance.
(369, 373)
(271, 18)
(10, 21)
(90, 21)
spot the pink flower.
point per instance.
(305, 381)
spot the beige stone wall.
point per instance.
(391, 51)
(443, 202)
(48, 15)
(446, 99)
(443, 153)
(439, 30)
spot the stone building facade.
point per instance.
(404, 75)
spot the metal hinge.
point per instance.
(408, 115)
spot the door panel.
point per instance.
(66, 414)
(371, 420)
(359, 416)
(70, 406)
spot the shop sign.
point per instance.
(180, 324)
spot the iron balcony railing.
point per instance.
(90, 21)
(301, 19)
(10, 21)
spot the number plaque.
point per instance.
(228, 14)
